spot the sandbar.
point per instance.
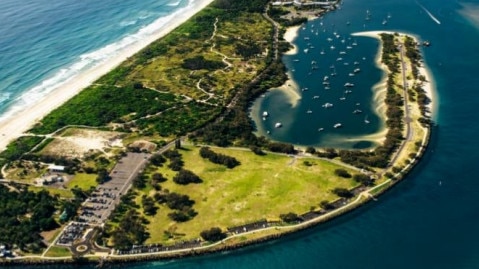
(23, 120)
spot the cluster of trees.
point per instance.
(365, 180)
(214, 234)
(180, 203)
(247, 49)
(176, 160)
(289, 217)
(277, 14)
(218, 158)
(19, 146)
(241, 5)
(185, 177)
(199, 62)
(149, 206)
(342, 173)
(24, 215)
(281, 147)
(342, 192)
(131, 231)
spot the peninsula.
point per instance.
(157, 159)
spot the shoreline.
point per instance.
(21, 121)
(428, 85)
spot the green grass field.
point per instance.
(261, 187)
(83, 181)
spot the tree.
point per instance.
(289, 217)
(365, 180)
(184, 177)
(103, 176)
(158, 177)
(326, 205)
(214, 234)
(342, 192)
(342, 173)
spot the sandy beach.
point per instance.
(23, 120)
(423, 70)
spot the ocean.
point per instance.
(429, 220)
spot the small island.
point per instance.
(158, 159)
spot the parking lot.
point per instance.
(104, 199)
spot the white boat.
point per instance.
(357, 111)
(347, 91)
(325, 82)
(332, 47)
(342, 52)
(351, 74)
(384, 22)
(316, 97)
(325, 78)
(309, 111)
(357, 70)
(349, 47)
(306, 50)
(327, 88)
(295, 60)
(348, 84)
(327, 105)
(278, 125)
(339, 59)
(329, 39)
(342, 98)
(356, 63)
(264, 118)
(265, 114)
(337, 125)
(320, 129)
(322, 52)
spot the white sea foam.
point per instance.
(127, 23)
(470, 12)
(174, 4)
(85, 63)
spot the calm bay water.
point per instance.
(429, 220)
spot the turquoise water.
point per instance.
(430, 219)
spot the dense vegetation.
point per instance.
(23, 215)
(207, 153)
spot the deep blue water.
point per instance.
(419, 223)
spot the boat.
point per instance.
(265, 114)
(325, 82)
(304, 89)
(278, 125)
(309, 111)
(325, 78)
(316, 97)
(351, 74)
(342, 52)
(349, 47)
(366, 119)
(339, 59)
(347, 91)
(264, 118)
(296, 60)
(322, 52)
(426, 43)
(384, 22)
(306, 38)
(329, 39)
(332, 47)
(356, 63)
(306, 50)
(357, 70)
(354, 43)
(337, 125)
(348, 84)
(342, 98)
(357, 111)
(268, 132)
(327, 105)
(327, 88)
(320, 129)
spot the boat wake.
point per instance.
(429, 13)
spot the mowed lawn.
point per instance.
(261, 187)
